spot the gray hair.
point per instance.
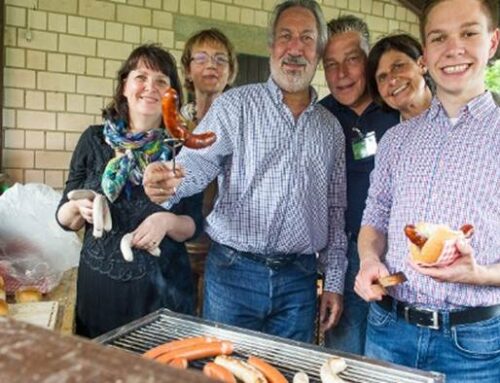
(310, 5)
(350, 23)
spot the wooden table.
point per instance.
(33, 354)
(65, 294)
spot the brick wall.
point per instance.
(61, 57)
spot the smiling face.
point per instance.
(458, 46)
(143, 90)
(344, 62)
(294, 54)
(400, 80)
(209, 68)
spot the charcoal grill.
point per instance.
(287, 355)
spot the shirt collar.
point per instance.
(477, 107)
(333, 101)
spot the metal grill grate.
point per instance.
(289, 356)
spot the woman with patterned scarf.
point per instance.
(110, 159)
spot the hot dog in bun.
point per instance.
(428, 240)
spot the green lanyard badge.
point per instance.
(364, 146)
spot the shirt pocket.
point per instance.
(479, 340)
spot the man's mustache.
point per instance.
(295, 60)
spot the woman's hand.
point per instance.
(152, 230)
(160, 180)
(85, 209)
(74, 214)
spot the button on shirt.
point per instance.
(281, 180)
(429, 170)
(373, 119)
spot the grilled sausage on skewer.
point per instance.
(177, 126)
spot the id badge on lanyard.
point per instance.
(364, 145)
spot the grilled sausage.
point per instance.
(198, 351)
(242, 370)
(177, 126)
(180, 363)
(414, 236)
(175, 345)
(218, 372)
(271, 373)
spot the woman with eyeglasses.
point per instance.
(397, 77)
(210, 67)
(109, 159)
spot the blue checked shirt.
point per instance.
(426, 169)
(282, 185)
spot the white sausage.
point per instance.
(98, 215)
(330, 368)
(108, 222)
(301, 377)
(242, 370)
(155, 251)
(337, 365)
(126, 247)
(81, 194)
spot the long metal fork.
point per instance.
(173, 144)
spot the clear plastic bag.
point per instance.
(34, 250)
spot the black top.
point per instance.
(375, 119)
(103, 255)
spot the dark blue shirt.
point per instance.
(373, 119)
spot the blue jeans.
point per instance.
(464, 353)
(350, 333)
(246, 293)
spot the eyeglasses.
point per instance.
(202, 58)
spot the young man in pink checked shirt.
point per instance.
(441, 167)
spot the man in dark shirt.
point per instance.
(363, 123)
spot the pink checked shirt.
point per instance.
(428, 170)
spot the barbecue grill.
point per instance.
(287, 355)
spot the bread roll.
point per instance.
(392, 279)
(28, 294)
(4, 308)
(436, 236)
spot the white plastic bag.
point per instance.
(34, 250)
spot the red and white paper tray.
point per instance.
(449, 254)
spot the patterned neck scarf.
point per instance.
(139, 150)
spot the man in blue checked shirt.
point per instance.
(279, 160)
(440, 167)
